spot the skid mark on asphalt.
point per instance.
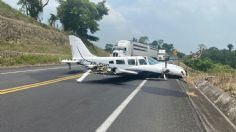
(34, 85)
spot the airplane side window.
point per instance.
(131, 62)
(111, 62)
(142, 62)
(121, 62)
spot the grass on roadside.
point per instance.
(9, 12)
(22, 60)
(35, 48)
(221, 76)
(13, 54)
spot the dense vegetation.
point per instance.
(224, 56)
(216, 66)
(81, 17)
(32, 8)
(214, 60)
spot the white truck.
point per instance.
(161, 55)
(129, 48)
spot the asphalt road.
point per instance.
(68, 106)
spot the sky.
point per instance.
(184, 23)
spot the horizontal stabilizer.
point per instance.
(70, 61)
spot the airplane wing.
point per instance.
(123, 71)
(70, 62)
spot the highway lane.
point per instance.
(68, 106)
(161, 106)
(21, 76)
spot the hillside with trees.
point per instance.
(24, 40)
(217, 66)
(214, 59)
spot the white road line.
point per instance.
(83, 76)
(108, 122)
(34, 70)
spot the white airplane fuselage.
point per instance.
(135, 64)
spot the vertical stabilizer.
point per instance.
(78, 48)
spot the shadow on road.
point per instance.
(122, 80)
(117, 80)
(73, 72)
(164, 92)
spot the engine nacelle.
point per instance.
(165, 70)
(99, 68)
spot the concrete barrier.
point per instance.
(223, 100)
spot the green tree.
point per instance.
(81, 17)
(160, 43)
(168, 47)
(135, 39)
(220, 56)
(143, 39)
(53, 18)
(32, 8)
(230, 47)
(180, 55)
(203, 64)
(109, 47)
(154, 43)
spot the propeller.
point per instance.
(164, 72)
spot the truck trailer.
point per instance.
(130, 48)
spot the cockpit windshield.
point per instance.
(151, 61)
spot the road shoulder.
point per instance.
(212, 119)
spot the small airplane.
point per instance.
(128, 65)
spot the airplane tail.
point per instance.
(78, 48)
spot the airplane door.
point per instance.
(121, 63)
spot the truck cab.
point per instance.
(161, 55)
(122, 48)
